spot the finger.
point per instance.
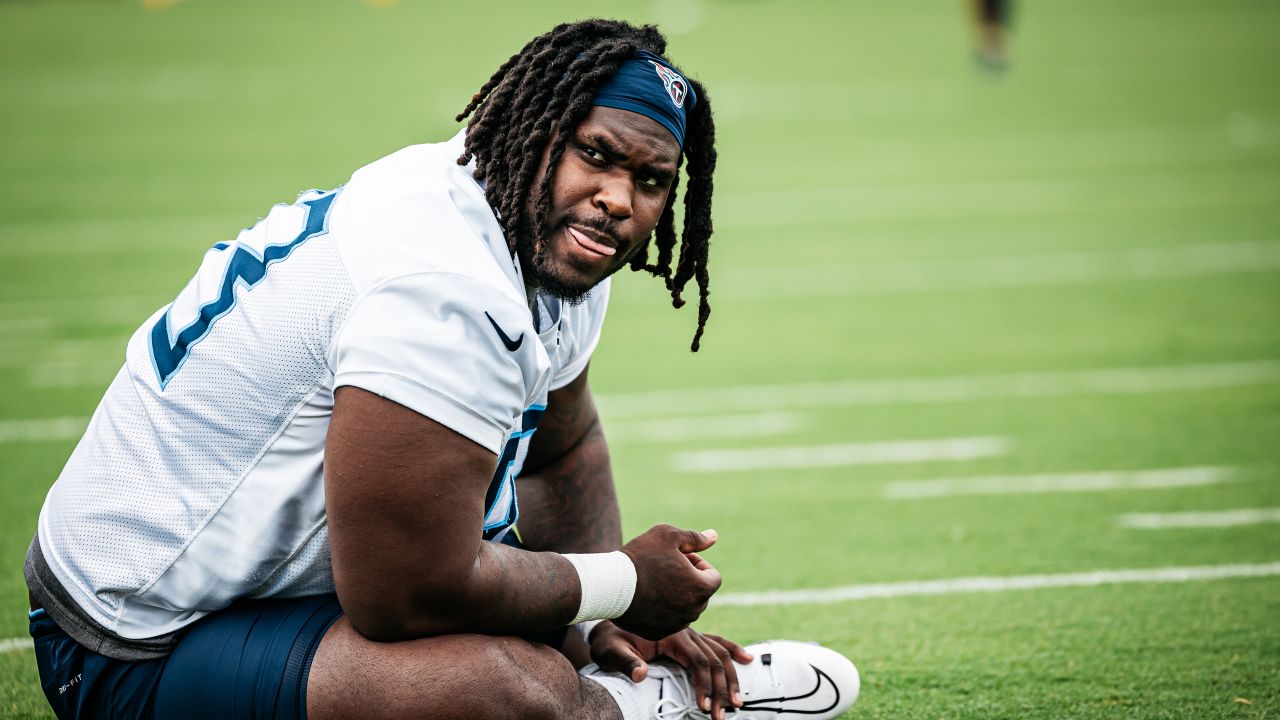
(732, 689)
(738, 652)
(693, 541)
(684, 649)
(617, 655)
(719, 694)
(711, 577)
(698, 561)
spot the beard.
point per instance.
(542, 273)
(549, 275)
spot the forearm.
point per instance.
(507, 592)
(514, 591)
(570, 505)
(500, 590)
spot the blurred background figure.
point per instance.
(991, 31)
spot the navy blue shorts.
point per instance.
(248, 661)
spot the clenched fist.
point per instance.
(673, 582)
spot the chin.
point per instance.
(557, 276)
(563, 280)
(564, 284)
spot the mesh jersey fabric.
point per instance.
(200, 477)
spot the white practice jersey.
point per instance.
(200, 477)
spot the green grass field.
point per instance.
(907, 249)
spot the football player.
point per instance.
(298, 497)
(992, 19)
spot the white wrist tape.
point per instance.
(608, 584)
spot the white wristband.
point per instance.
(608, 583)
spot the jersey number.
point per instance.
(500, 504)
(170, 350)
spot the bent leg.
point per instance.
(455, 676)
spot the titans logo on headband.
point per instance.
(664, 96)
(676, 86)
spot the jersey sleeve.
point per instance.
(585, 323)
(430, 341)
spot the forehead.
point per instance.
(637, 136)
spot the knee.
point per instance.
(540, 683)
(449, 678)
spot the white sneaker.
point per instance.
(786, 679)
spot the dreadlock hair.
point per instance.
(551, 83)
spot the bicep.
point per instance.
(405, 500)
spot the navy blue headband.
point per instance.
(649, 85)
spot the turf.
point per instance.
(869, 172)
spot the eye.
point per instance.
(650, 181)
(592, 154)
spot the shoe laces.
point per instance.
(670, 709)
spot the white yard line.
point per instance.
(857, 204)
(864, 453)
(842, 280)
(927, 390)
(953, 586)
(126, 309)
(950, 586)
(73, 374)
(707, 427)
(17, 644)
(114, 235)
(1221, 518)
(24, 352)
(25, 326)
(1010, 271)
(1058, 483)
(62, 428)
(1010, 197)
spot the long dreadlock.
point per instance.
(551, 83)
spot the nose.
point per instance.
(614, 196)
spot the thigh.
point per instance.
(442, 678)
(249, 661)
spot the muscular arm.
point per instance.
(405, 499)
(567, 497)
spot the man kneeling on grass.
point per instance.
(298, 496)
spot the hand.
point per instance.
(673, 582)
(707, 658)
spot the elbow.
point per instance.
(388, 627)
(379, 627)
(400, 601)
(389, 618)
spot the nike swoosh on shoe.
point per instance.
(819, 677)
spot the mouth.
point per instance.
(592, 241)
